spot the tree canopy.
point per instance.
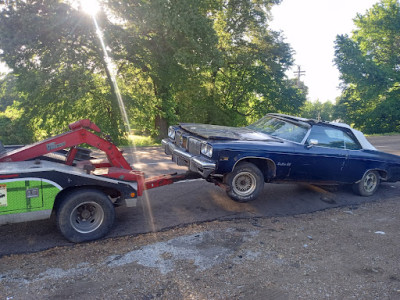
(174, 61)
(319, 111)
(53, 50)
(369, 64)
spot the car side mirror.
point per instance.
(312, 143)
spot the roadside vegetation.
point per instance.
(181, 61)
(142, 141)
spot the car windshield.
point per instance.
(291, 131)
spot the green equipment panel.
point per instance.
(25, 195)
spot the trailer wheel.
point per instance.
(245, 182)
(85, 215)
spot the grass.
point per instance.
(143, 141)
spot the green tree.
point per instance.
(13, 121)
(13, 124)
(8, 91)
(318, 110)
(207, 61)
(250, 80)
(170, 42)
(369, 63)
(54, 51)
(195, 60)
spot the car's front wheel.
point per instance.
(368, 185)
(85, 215)
(245, 182)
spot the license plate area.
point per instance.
(180, 161)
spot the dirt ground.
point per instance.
(343, 253)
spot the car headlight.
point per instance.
(171, 133)
(206, 149)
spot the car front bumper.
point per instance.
(195, 163)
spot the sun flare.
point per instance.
(90, 7)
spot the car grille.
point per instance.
(191, 144)
(194, 146)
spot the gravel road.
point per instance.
(341, 253)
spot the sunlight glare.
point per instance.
(90, 7)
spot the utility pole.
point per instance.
(299, 73)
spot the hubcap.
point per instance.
(244, 183)
(87, 217)
(370, 182)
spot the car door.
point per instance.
(323, 156)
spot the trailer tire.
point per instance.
(85, 215)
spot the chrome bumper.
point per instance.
(195, 163)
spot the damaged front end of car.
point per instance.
(189, 151)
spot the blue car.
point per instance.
(280, 148)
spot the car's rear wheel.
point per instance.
(368, 185)
(85, 215)
(245, 182)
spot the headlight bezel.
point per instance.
(206, 149)
(171, 133)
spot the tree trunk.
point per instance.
(161, 125)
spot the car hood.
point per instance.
(217, 132)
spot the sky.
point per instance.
(310, 27)
(3, 68)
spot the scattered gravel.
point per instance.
(345, 253)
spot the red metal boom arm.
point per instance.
(78, 134)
